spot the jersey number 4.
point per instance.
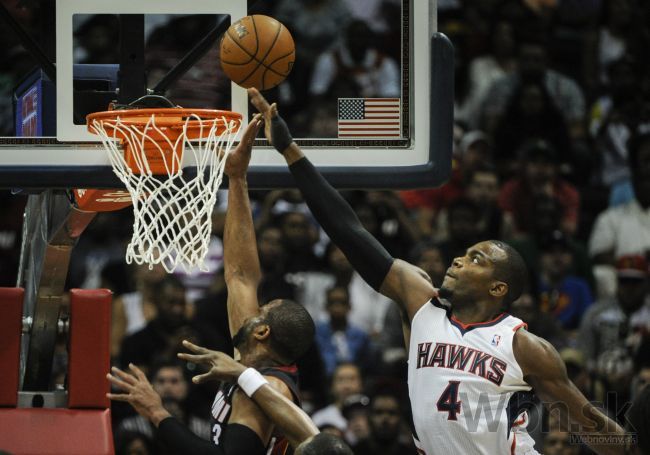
(448, 401)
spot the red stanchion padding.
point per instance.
(89, 351)
(43, 431)
(11, 313)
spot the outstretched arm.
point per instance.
(545, 371)
(244, 437)
(271, 398)
(241, 263)
(398, 280)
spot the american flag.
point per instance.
(369, 117)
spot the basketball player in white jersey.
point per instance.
(470, 363)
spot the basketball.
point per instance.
(257, 51)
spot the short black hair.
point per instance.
(326, 444)
(512, 271)
(171, 281)
(292, 329)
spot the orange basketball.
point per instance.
(257, 51)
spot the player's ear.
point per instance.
(498, 289)
(262, 332)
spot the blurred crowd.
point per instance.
(551, 154)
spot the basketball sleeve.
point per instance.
(369, 258)
(236, 440)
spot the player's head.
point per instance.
(490, 271)
(283, 327)
(323, 444)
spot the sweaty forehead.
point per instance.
(494, 252)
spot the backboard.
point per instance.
(352, 58)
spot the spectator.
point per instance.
(273, 258)
(132, 443)
(337, 339)
(464, 217)
(161, 338)
(539, 176)
(486, 69)
(300, 236)
(547, 214)
(483, 190)
(625, 229)
(429, 258)
(532, 67)
(317, 25)
(346, 381)
(563, 295)
(614, 34)
(539, 323)
(356, 68)
(369, 307)
(133, 310)
(386, 421)
(170, 383)
(530, 113)
(611, 330)
(394, 227)
(355, 411)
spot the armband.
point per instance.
(251, 380)
(280, 133)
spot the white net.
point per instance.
(173, 212)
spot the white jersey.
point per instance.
(468, 394)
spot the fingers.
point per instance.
(126, 377)
(201, 378)
(202, 358)
(119, 383)
(274, 109)
(118, 397)
(258, 100)
(138, 372)
(194, 348)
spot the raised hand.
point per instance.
(275, 129)
(221, 366)
(138, 393)
(238, 160)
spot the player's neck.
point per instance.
(259, 359)
(477, 312)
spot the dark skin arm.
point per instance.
(273, 399)
(406, 284)
(544, 370)
(241, 263)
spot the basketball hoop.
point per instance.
(172, 211)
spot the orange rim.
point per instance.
(172, 118)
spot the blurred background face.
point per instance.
(270, 246)
(540, 172)
(504, 39)
(462, 224)
(295, 228)
(631, 293)
(169, 382)
(337, 261)
(641, 174)
(532, 100)
(433, 263)
(484, 188)
(358, 39)
(524, 308)
(556, 261)
(558, 443)
(171, 303)
(346, 381)
(338, 304)
(385, 418)
(532, 61)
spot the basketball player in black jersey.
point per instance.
(268, 338)
(478, 286)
